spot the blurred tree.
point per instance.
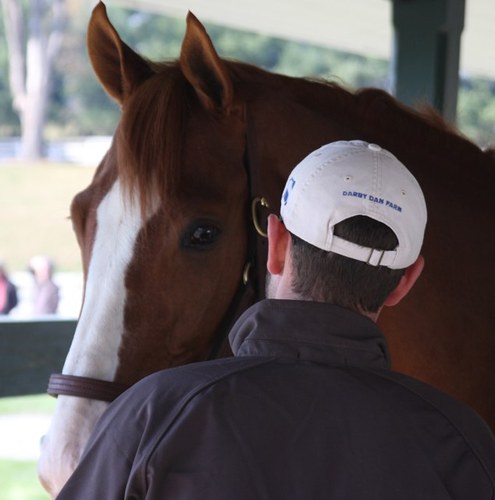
(9, 121)
(34, 38)
(476, 110)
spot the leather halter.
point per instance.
(248, 291)
(84, 387)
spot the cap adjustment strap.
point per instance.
(371, 256)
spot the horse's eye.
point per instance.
(201, 236)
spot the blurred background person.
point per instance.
(45, 291)
(8, 291)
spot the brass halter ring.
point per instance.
(262, 201)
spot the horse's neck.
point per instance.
(282, 129)
(305, 114)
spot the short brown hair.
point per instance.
(328, 277)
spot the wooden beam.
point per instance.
(425, 62)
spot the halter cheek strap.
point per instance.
(252, 286)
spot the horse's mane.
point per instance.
(154, 119)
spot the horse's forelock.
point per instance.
(150, 135)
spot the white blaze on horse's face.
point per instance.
(94, 350)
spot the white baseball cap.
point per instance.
(348, 178)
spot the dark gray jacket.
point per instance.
(308, 409)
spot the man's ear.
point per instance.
(407, 281)
(278, 241)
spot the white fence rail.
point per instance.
(81, 150)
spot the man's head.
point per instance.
(356, 218)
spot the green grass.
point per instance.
(34, 219)
(38, 404)
(34, 212)
(18, 478)
(19, 481)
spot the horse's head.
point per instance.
(163, 220)
(162, 228)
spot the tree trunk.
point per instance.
(31, 66)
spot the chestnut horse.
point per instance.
(166, 231)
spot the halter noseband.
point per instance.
(84, 387)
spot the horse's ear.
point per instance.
(119, 69)
(204, 70)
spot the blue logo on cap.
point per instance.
(290, 186)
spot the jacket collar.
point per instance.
(311, 331)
